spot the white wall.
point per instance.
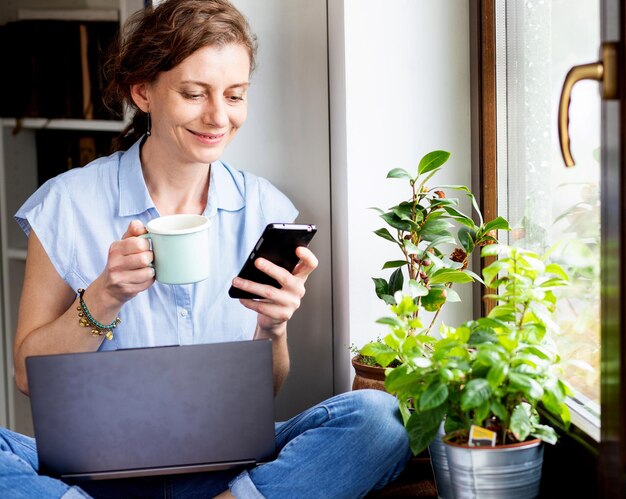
(399, 88)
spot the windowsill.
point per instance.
(585, 416)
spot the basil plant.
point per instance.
(492, 372)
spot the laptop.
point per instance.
(153, 411)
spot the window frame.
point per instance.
(577, 453)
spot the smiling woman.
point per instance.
(195, 110)
(184, 68)
(139, 57)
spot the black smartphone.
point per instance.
(277, 244)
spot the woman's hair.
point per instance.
(155, 40)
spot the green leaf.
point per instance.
(390, 321)
(488, 354)
(381, 286)
(495, 250)
(474, 276)
(396, 222)
(417, 289)
(538, 351)
(460, 217)
(545, 433)
(410, 248)
(490, 322)
(440, 240)
(452, 423)
(462, 333)
(435, 228)
(401, 380)
(406, 305)
(392, 340)
(476, 207)
(388, 299)
(528, 385)
(435, 395)
(554, 400)
(475, 393)
(504, 312)
(404, 210)
(405, 411)
(481, 412)
(394, 263)
(385, 234)
(521, 422)
(436, 201)
(482, 335)
(399, 173)
(434, 299)
(465, 189)
(444, 276)
(553, 283)
(396, 281)
(553, 268)
(467, 237)
(431, 161)
(381, 352)
(508, 342)
(499, 410)
(496, 224)
(420, 436)
(497, 374)
(491, 271)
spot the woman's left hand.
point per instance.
(278, 304)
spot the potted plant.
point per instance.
(491, 373)
(431, 258)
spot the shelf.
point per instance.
(16, 254)
(63, 124)
(69, 14)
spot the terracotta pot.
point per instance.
(367, 376)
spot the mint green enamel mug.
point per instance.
(180, 244)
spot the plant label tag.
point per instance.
(481, 437)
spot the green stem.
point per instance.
(407, 257)
(521, 319)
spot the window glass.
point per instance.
(550, 207)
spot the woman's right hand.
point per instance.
(128, 270)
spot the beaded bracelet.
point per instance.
(86, 320)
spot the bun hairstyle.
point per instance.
(155, 40)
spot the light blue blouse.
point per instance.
(78, 214)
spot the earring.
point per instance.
(149, 125)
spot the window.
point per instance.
(552, 208)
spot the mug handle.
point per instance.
(147, 235)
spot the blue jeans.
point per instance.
(341, 448)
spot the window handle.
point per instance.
(604, 71)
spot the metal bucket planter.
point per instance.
(439, 463)
(502, 472)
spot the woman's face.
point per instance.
(198, 106)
